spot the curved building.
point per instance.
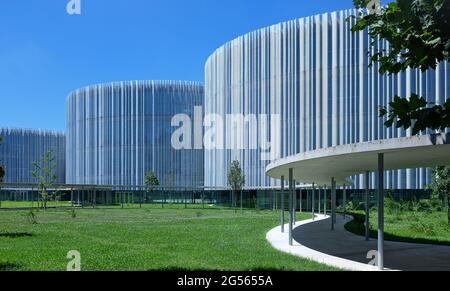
(117, 132)
(314, 73)
(21, 148)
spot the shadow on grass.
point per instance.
(357, 226)
(15, 234)
(7, 266)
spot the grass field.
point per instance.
(407, 226)
(27, 204)
(144, 239)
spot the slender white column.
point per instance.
(333, 203)
(344, 200)
(282, 204)
(366, 185)
(313, 201)
(320, 194)
(294, 202)
(291, 213)
(381, 211)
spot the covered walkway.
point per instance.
(342, 249)
(332, 167)
(398, 256)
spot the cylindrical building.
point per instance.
(21, 148)
(314, 73)
(118, 132)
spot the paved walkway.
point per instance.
(315, 241)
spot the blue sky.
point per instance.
(46, 53)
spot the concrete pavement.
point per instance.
(339, 248)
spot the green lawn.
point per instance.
(144, 239)
(27, 204)
(407, 226)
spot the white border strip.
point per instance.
(280, 241)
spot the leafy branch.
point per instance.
(418, 37)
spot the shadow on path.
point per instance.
(343, 244)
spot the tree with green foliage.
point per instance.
(236, 180)
(418, 33)
(151, 180)
(44, 174)
(441, 185)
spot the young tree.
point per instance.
(45, 176)
(236, 180)
(418, 32)
(441, 185)
(151, 181)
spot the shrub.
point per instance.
(391, 205)
(425, 205)
(413, 206)
(437, 205)
(421, 227)
(73, 213)
(350, 206)
(359, 218)
(361, 207)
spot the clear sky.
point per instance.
(46, 53)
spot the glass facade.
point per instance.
(118, 132)
(22, 147)
(313, 72)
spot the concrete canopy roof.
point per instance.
(345, 161)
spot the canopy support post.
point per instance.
(344, 200)
(291, 214)
(313, 201)
(294, 202)
(366, 186)
(282, 204)
(320, 193)
(333, 203)
(381, 211)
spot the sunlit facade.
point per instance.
(314, 72)
(118, 132)
(21, 148)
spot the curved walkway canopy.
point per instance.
(345, 161)
(334, 165)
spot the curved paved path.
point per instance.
(315, 241)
